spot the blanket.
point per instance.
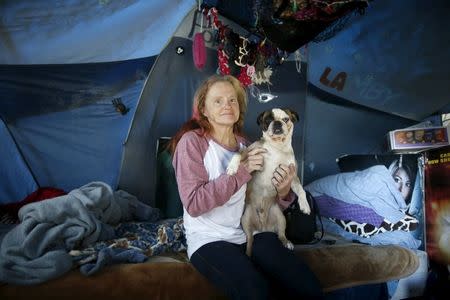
(36, 250)
(135, 242)
(398, 237)
(372, 188)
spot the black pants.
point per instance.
(273, 270)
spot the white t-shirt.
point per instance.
(213, 201)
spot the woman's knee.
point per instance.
(237, 276)
(284, 265)
(247, 285)
(253, 286)
(267, 244)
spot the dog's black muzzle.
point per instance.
(277, 127)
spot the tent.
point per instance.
(89, 90)
(89, 87)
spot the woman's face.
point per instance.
(403, 182)
(221, 105)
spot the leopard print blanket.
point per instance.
(368, 230)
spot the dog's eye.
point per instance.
(285, 120)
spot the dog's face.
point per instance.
(277, 124)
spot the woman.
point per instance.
(214, 201)
(402, 175)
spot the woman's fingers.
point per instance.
(277, 176)
(255, 159)
(283, 173)
(256, 151)
(275, 182)
(282, 179)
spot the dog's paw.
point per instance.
(234, 164)
(304, 206)
(289, 245)
(286, 243)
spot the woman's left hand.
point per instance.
(282, 179)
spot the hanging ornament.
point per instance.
(262, 77)
(199, 48)
(244, 78)
(243, 52)
(224, 68)
(261, 97)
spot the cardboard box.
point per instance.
(417, 139)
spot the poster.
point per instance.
(437, 204)
(407, 172)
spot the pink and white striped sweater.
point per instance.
(213, 202)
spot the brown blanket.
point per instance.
(336, 266)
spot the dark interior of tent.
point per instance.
(91, 92)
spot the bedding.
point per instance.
(138, 240)
(37, 248)
(337, 267)
(364, 197)
(368, 230)
(372, 187)
(412, 164)
(97, 243)
(11, 210)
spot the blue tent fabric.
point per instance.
(16, 179)
(85, 31)
(395, 58)
(335, 126)
(60, 72)
(64, 121)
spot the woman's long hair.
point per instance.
(199, 120)
(399, 164)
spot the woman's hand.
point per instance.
(254, 159)
(282, 179)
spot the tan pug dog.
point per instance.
(262, 212)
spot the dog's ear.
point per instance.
(292, 114)
(260, 118)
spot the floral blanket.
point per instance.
(135, 243)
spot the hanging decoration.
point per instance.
(251, 59)
(199, 48)
(278, 28)
(290, 24)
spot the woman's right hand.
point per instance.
(254, 160)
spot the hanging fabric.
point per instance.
(290, 26)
